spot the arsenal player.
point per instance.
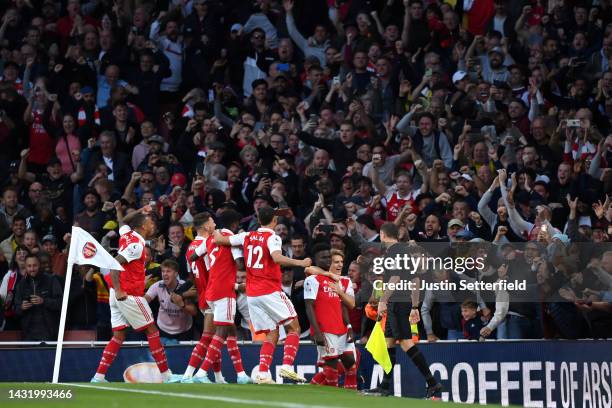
(200, 272)
(269, 307)
(327, 297)
(222, 263)
(126, 298)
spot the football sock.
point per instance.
(419, 361)
(157, 350)
(213, 353)
(234, 352)
(331, 375)
(198, 353)
(318, 378)
(292, 343)
(265, 356)
(350, 378)
(108, 355)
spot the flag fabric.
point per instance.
(85, 250)
(377, 346)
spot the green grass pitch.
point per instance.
(122, 395)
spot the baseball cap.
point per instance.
(156, 139)
(53, 161)
(465, 234)
(87, 90)
(563, 238)
(236, 27)
(458, 76)
(263, 197)
(498, 50)
(178, 179)
(454, 222)
(467, 177)
(49, 237)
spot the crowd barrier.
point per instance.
(527, 373)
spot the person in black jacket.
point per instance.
(152, 69)
(38, 299)
(344, 149)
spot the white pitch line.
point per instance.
(199, 396)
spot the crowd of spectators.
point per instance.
(472, 120)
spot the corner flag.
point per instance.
(377, 346)
(84, 250)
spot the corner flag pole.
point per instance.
(84, 250)
(62, 323)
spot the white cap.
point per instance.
(585, 221)
(543, 177)
(236, 27)
(458, 76)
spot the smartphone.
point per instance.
(428, 72)
(326, 229)
(573, 123)
(336, 80)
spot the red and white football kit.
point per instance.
(134, 311)
(394, 202)
(200, 272)
(328, 312)
(269, 307)
(220, 289)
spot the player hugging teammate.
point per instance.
(328, 298)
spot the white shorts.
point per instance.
(269, 311)
(223, 310)
(206, 311)
(134, 311)
(335, 346)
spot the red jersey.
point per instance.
(132, 278)
(395, 203)
(263, 274)
(199, 270)
(42, 144)
(327, 304)
(221, 269)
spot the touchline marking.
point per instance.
(198, 396)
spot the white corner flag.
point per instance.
(84, 250)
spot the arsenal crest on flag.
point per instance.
(84, 250)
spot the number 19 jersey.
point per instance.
(263, 274)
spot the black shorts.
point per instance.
(398, 323)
